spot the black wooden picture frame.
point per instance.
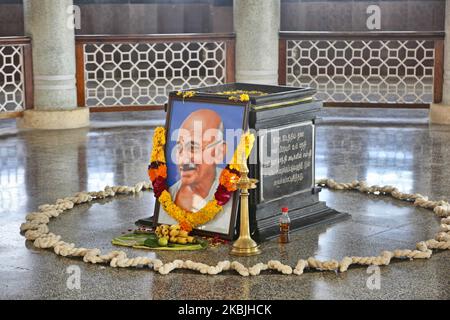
(235, 199)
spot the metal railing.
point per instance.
(382, 68)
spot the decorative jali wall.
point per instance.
(124, 74)
(11, 78)
(381, 71)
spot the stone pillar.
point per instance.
(257, 26)
(440, 113)
(53, 45)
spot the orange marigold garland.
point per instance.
(229, 178)
(157, 172)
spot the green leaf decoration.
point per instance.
(150, 242)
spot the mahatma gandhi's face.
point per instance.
(200, 147)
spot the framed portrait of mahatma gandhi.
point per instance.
(201, 137)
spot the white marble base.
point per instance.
(54, 119)
(440, 113)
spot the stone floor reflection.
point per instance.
(39, 167)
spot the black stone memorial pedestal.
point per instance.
(285, 167)
(284, 119)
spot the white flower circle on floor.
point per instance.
(36, 230)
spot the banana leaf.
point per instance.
(150, 242)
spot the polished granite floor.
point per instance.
(37, 167)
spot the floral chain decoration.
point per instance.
(157, 171)
(36, 230)
(186, 94)
(241, 95)
(236, 95)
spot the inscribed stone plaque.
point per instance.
(287, 160)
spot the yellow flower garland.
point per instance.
(186, 94)
(204, 215)
(189, 220)
(159, 141)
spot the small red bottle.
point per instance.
(285, 223)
